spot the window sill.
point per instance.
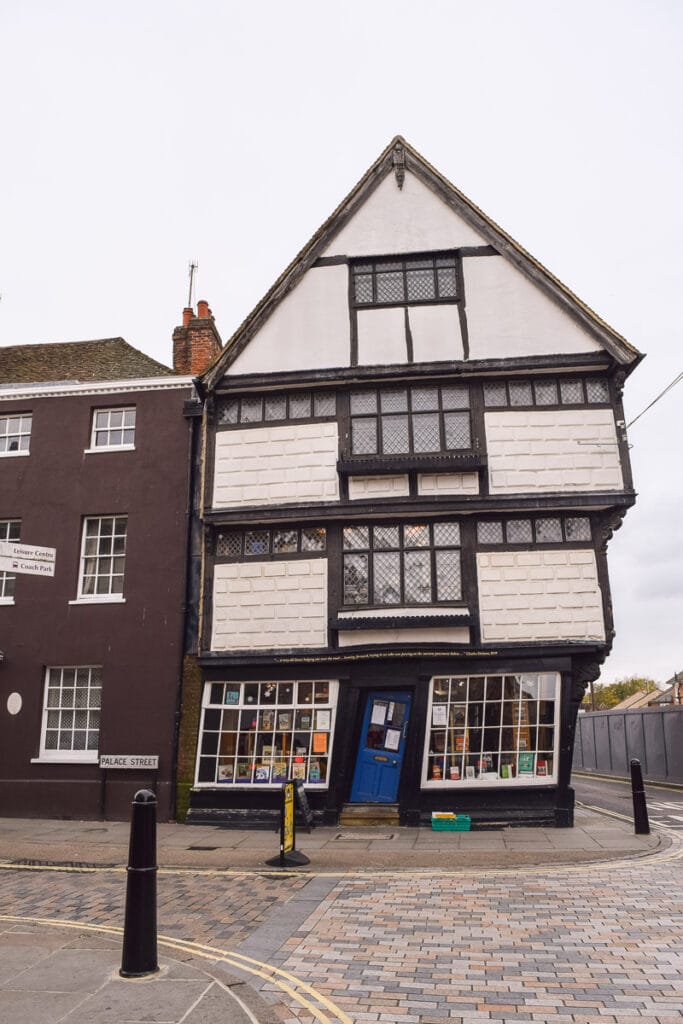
(102, 599)
(396, 618)
(66, 760)
(377, 465)
(6, 601)
(109, 448)
(523, 780)
(13, 455)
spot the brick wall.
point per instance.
(539, 595)
(261, 605)
(558, 450)
(276, 465)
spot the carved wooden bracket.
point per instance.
(399, 164)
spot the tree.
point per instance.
(607, 695)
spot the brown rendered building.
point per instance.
(94, 452)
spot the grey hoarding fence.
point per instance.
(607, 742)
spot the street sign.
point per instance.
(27, 558)
(129, 761)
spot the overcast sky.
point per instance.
(139, 136)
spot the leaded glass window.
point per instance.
(404, 421)
(404, 281)
(264, 543)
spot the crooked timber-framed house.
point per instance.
(413, 458)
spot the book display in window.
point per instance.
(489, 728)
(264, 733)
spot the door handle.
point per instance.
(394, 763)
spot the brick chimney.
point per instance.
(197, 342)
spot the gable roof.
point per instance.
(400, 157)
(104, 359)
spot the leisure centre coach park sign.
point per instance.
(25, 558)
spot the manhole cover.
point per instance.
(367, 836)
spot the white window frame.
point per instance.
(105, 429)
(330, 708)
(24, 431)
(62, 708)
(87, 556)
(524, 780)
(8, 577)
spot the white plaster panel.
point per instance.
(378, 487)
(539, 595)
(507, 315)
(276, 464)
(552, 450)
(309, 329)
(256, 610)
(448, 483)
(393, 220)
(432, 634)
(381, 337)
(436, 333)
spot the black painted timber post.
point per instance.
(139, 956)
(640, 818)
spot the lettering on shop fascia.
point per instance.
(387, 654)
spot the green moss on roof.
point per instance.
(104, 359)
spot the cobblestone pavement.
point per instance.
(581, 944)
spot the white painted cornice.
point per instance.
(12, 392)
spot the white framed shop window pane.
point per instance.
(497, 730)
(71, 714)
(113, 429)
(264, 733)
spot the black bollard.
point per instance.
(139, 956)
(640, 818)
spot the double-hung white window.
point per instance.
(9, 531)
(113, 429)
(71, 714)
(103, 556)
(15, 434)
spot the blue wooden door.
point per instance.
(381, 748)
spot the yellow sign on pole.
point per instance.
(288, 821)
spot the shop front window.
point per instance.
(499, 729)
(265, 733)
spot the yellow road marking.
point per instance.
(257, 968)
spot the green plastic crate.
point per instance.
(456, 823)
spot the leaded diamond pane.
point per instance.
(577, 528)
(548, 531)
(355, 579)
(387, 577)
(495, 395)
(395, 435)
(364, 436)
(395, 400)
(251, 410)
(424, 399)
(390, 287)
(385, 537)
(356, 537)
(545, 392)
(571, 392)
(363, 402)
(457, 430)
(520, 393)
(490, 532)
(276, 407)
(300, 406)
(426, 433)
(229, 545)
(257, 542)
(417, 574)
(455, 397)
(285, 541)
(415, 536)
(448, 586)
(313, 538)
(597, 390)
(446, 535)
(363, 287)
(420, 285)
(324, 404)
(446, 282)
(519, 531)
